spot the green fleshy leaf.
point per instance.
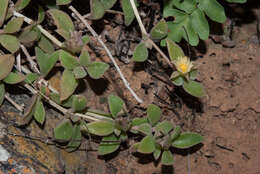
(193, 88)
(160, 30)
(107, 4)
(200, 24)
(14, 25)
(64, 33)
(63, 2)
(9, 42)
(85, 39)
(3, 11)
(128, 12)
(175, 31)
(97, 9)
(147, 145)
(174, 50)
(165, 127)
(62, 20)
(115, 104)
(193, 74)
(41, 15)
(79, 103)
(45, 44)
(154, 114)
(178, 81)
(63, 132)
(139, 121)
(68, 85)
(45, 61)
(2, 93)
(39, 113)
(108, 145)
(157, 152)
(97, 69)
(190, 35)
(30, 34)
(31, 77)
(213, 9)
(187, 140)
(75, 139)
(167, 158)
(145, 129)
(67, 60)
(140, 53)
(14, 78)
(176, 133)
(84, 58)
(186, 5)
(101, 128)
(79, 72)
(21, 4)
(6, 65)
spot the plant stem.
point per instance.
(144, 33)
(29, 58)
(108, 52)
(139, 20)
(43, 31)
(17, 106)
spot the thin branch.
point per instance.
(108, 52)
(29, 58)
(144, 33)
(139, 20)
(43, 31)
(17, 106)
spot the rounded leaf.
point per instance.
(153, 114)
(115, 104)
(167, 158)
(193, 88)
(147, 145)
(39, 113)
(174, 50)
(62, 20)
(213, 9)
(108, 145)
(200, 24)
(79, 102)
(75, 139)
(67, 60)
(97, 69)
(129, 15)
(68, 84)
(14, 78)
(165, 127)
(3, 10)
(140, 53)
(14, 25)
(160, 30)
(157, 152)
(97, 9)
(63, 132)
(187, 140)
(79, 72)
(6, 65)
(11, 43)
(101, 128)
(178, 81)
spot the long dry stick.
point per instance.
(107, 50)
(144, 32)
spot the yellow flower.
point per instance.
(183, 64)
